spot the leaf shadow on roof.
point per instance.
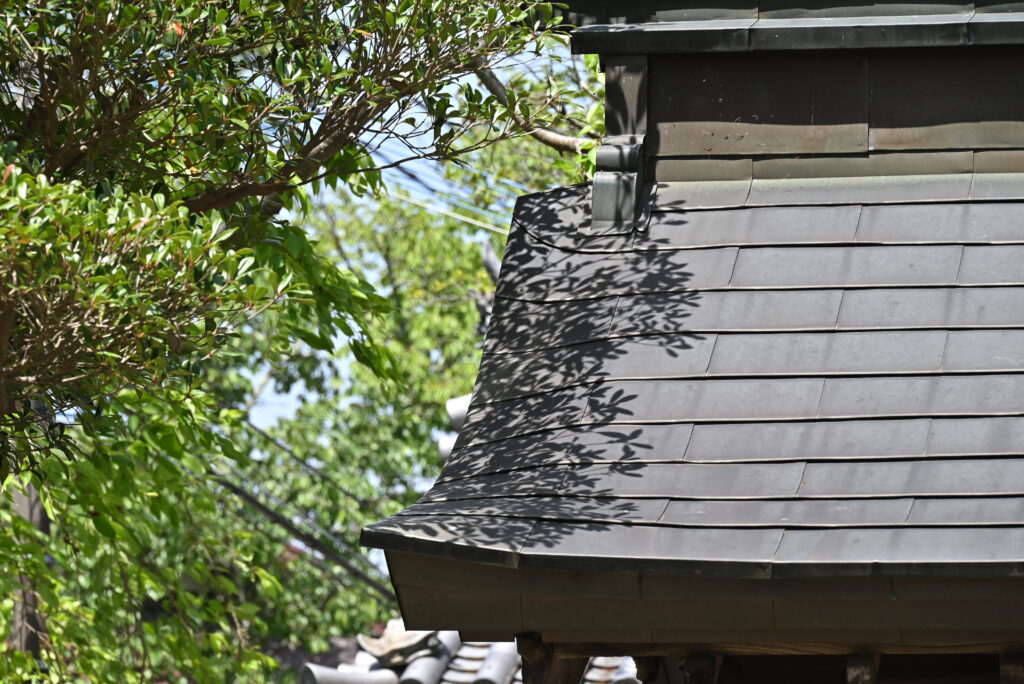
(542, 409)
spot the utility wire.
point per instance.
(277, 505)
(462, 198)
(364, 505)
(307, 538)
(445, 212)
(494, 179)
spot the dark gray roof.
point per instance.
(815, 380)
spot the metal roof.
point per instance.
(808, 32)
(824, 378)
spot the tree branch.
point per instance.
(307, 538)
(558, 141)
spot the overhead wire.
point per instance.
(454, 193)
(445, 212)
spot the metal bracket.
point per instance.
(618, 185)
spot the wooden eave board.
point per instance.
(602, 612)
(799, 389)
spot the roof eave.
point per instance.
(806, 33)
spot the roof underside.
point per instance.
(802, 379)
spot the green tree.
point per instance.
(374, 442)
(146, 266)
(230, 108)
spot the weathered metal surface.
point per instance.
(996, 186)
(829, 354)
(973, 119)
(450, 536)
(824, 513)
(787, 9)
(873, 164)
(626, 83)
(796, 441)
(948, 551)
(543, 274)
(487, 422)
(909, 477)
(996, 307)
(636, 548)
(857, 190)
(689, 480)
(973, 511)
(703, 312)
(539, 325)
(592, 509)
(853, 32)
(776, 104)
(963, 223)
(712, 399)
(579, 444)
(756, 227)
(675, 169)
(828, 267)
(916, 396)
(820, 192)
(976, 436)
(548, 369)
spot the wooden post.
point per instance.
(700, 668)
(862, 668)
(1011, 668)
(647, 668)
(542, 665)
(27, 625)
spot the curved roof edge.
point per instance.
(412, 535)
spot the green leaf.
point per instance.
(104, 527)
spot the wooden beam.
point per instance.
(635, 649)
(647, 668)
(862, 668)
(541, 665)
(1011, 668)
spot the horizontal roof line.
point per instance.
(779, 288)
(743, 34)
(699, 332)
(565, 518)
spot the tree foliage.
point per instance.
(234, 106)
(151, 288)
(98, 293)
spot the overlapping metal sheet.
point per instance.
(789, 390)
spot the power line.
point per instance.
(517, 188)
(445, 212)
(413, 182)
(308, 538)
